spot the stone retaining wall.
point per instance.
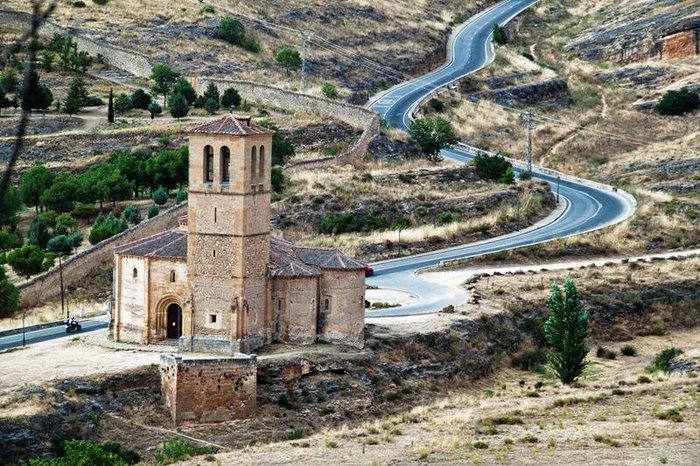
(76, 269)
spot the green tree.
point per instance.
(185, 89)
(181, 196)
(27, 260)
(212, 92)
(277, 179)
(499, 35)
(75, 239)
(122, 104)
(678, 102)
(230, 98)
(47, 61)
(60, 245)
(9, 295)
(289, 59)
(132, 215)
(329, 90)
(63, 193)
(178, 106)
(491, 167)
(100, 233)
(432, 133)
(112, 185)
(67, 221)
(42, 96)
(231, 31)
(164, 79)
(140, 99)
(10, 204)
(84, 211)
(38, 234)
(34, 182)
(211, 106)
(154, 109)
(8, 242)
(133, 165)
(9, 81)
(76, 98)
(565, 330)
(110, 107)
(160, 196)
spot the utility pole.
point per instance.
(60, 274)
(304, 50)
(528, 129)
(24, 341)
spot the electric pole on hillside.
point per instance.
(304, 46)
(528, 130)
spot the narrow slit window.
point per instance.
(214, 253)
(135, 273)
(208, 164)
(261, 166)
(326, 304)
(172, 276)
(253, 163)
(225, 165)
(214, 214)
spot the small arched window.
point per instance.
(253, 163)
(135, 273)
(172, 276)
(261, 167)
(225, 164)
(208, 164)
(327, 304)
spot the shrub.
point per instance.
(277, 179)
(231, 31)
(509, 420)
(84, 211)
(329, 90)
(662, 360)
(605, 353)
(100, 2)
(671, 414)
(93, 101)
(529, 438)
(678, 102)
(140, 99)
(283, 401)
(122, 103)
(481, 445)
(160, 196)
(27, 260)
(230, 98)
(9, 295)
(295, 434)
(60, 245)
(443, 218)
(436, 105)
(211, 106)
(289, 59)
(180, 197)
(153, 210)
(628, 350)
(524, 176)
(643, 379)
(79, 4)
(530, 360)
(207, 9)
(499, 35)
(176, 449)
(491, 167)
(132, 215)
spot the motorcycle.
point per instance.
(72, 326)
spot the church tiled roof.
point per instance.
(171, 244)
(286, 259)
(230, 124)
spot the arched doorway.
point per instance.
(174, 321)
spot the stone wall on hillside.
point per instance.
(76, 269)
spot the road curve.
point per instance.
(587, 206)
(51, 333)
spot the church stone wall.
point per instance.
(163, 292)
(201, 390)
(130, 297)
(295, 309)
(344, 323)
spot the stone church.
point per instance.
(221, 283)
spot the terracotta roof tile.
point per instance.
(328, 258)
(229, 124)
(284, 261)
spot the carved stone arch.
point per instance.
(168, 318)
(208, 164)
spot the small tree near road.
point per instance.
(9, 295)
(565, 330)
(499, 35)
(433, 133)
(289, 59)
(493, 167)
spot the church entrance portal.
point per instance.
(174, 321)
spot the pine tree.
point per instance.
(110, 107)
(565, 330)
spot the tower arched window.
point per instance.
(208, 164)
(135, 273)
(253, 163)
(172, 276)
(225, 154)
(261, 167)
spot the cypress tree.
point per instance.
(565, 330)
(110, 108)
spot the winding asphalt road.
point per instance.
(586, 206)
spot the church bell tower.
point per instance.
(228, 245)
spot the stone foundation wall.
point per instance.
(209, 389)
(76, 268)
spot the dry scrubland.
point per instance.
(397, 34)
(619, 412)
(446, 205)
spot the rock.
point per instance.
(553, 92)
(448, 309)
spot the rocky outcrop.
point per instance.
(637, 76)
(642, 34)
(551, 93)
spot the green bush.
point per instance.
(436, 105)
(93, 101)
(160, 196)
(233, 32)
(277, 179)
(628, 350)
(350, 222)
(87, 452)
(443, 218)
(122, 103)
(207, 9)
(530, 360)
(27, 261)
(132, 215)
(499, 35)
(524, 176)
(79, 4)
(605, 353)
(671, 414)
(140, 99)
(678, 102)
(329, 90)
(662, 360)
(9, 294)
(491, 167)
(180, 197)
(230, 98)
(100, 2)
(177, 449)
(153, 210)
(60, 245)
